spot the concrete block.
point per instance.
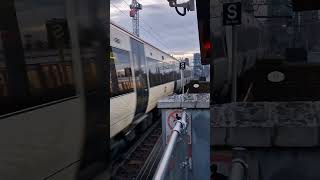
(254, 124)
(218, 136)
(296, 124)
(250, 136)
(296, 137)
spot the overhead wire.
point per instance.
(147, 24)
(154, 37)
(152, 33)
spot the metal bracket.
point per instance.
(186, 6)
(186, 163)
(183, 124)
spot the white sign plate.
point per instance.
(276, 76)
(171, 117)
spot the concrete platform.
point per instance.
(199, 101)
(266, 124)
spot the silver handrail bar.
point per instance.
(179, 127)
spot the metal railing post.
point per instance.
(239, 165)
(179, 126)
(238, 170)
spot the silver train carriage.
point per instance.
(140, 74)
(53, 100)
(54, 95)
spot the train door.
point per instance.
(140, 73)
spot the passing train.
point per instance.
(54, 93)
(140, 74)
(53, 100)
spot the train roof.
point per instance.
(136, 37)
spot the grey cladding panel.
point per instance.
(288, 124)
(185, 101)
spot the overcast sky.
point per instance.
(160, 25)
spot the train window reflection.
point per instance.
(177, 72)
(166, 72)
(35, 58)
(154, 72)
(3, 83)
(90, 74)
(34, 78)
(120, 72)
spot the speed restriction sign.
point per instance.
(182, 65)
(171, 117)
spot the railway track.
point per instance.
(141, 159)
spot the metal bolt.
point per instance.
(184, 164)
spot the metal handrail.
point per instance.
(179, 127)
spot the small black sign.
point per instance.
(182, 65)
(57, 33)
(232, 13)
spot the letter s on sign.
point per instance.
(58, 31)
(232, 13)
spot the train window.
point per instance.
(48, 76)
(154, 72)
(120, 72)
(69, 76)
(35, 85)
(90, 74)
(177, 72)
(32, 53)
(172, 72)
(166, 73)
(3, 83)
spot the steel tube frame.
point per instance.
(164, 162)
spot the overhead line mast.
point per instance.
(134, 13)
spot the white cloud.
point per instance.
(160, 25)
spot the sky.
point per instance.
(161, 26)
